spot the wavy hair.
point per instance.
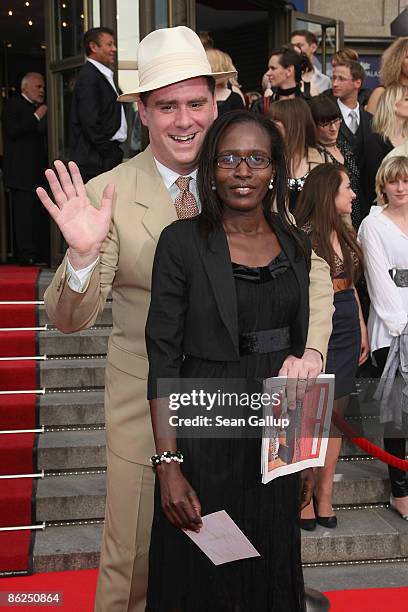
(391, 63)
(384, 121)
(316, 208)
(213, 208)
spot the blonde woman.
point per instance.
(383, 236)
(227, 93)
(394, 70)
(390, 129)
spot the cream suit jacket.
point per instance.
(142, 208)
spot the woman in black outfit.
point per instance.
(285, 69)
(327, 118)
(218, 280)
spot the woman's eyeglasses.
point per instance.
(256, 162)
(331, 123)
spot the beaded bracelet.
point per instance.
(166, 457)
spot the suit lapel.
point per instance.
(217, 263)
(154, 197)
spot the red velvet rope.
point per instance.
(369, 447)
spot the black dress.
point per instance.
(226, 475)
(376, 148)
(233, 102)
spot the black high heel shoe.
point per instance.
(308, 524)
(330, 522)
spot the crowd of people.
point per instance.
(293, 217)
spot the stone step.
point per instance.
(58, 549)
(77, 408)
(65, 450)
(82, 496)
(88, 342)
(366, 576)
(104, 319)
(63, 498)
(73, 372)
(361, 482)
(362, 534)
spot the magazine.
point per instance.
(294, 440)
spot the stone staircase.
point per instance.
(369, 547)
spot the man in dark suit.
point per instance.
(98, 123)
(348, 78)
(25, 160)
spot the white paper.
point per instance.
(221, 539)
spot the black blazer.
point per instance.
(358, 141)
(193, 309)
(95, 118)
(376, 149)
(25, 145)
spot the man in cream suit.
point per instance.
(112, 228)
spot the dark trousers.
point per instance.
(392, 443)
(31, 226)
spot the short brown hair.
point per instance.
(344, 55)
(307, 35)
(356, 70)
(93, 35)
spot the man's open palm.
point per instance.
(83, 226)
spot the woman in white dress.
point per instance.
(384, 239)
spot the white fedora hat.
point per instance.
(168, 56)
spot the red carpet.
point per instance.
(15, 553)
(17, 284)
(16, 454)
(78, 591)
(17, 315)
(17, 412)
(17, 343)
(77, 588)
(369, 600)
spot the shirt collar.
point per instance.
(346, 109)
(101, 67)
(28, 99)
(169, 176)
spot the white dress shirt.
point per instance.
(345, 112)
(78, 279)
(170, 177)
(121, 134)
(385, 247)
